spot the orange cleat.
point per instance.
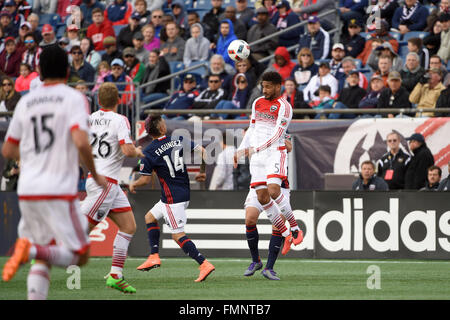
(152, 262)
(20, 256)
(205, 269)
(287, 245)
(297, 237)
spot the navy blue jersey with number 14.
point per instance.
(165, 157)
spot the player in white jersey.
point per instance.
(111, 142)
(264, 144)
(49, 131)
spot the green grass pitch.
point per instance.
(300, 279)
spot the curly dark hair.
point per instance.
(273, 77)
(152, 125)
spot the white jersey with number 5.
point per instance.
(41, 126)
(109, 130)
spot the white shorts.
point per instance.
(174, 214)
(252, 199)
(60, 221)
(268, 166)
(99, 202)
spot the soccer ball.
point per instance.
(238, 50)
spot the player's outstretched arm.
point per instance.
(81, 141)
(142, 181)
(129, 150)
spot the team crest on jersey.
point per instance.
(283, 122)
(141, 167)
(273, 108)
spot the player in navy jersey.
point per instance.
(164, 155)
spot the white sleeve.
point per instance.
(78, 115)
(124, 131)
(14, 132)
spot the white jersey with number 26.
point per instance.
(109, 130)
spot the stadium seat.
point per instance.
(358, 63)
(189, 4)
(229, 3)
(118, 27)
(396, 35)
(414, 34)
(203, 5)
(50, 18)
(200, 71)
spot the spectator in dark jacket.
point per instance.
(86, 9)
(10, 59)
(211, 19)
(443, 102)
(243, 12)
(125, 37)
(353, 42)
(368, 180)
(433, 40)
(306, 68)
(411, 71)
(118, 12)
(237, 99)
(295, 97)
(433, 178)
(184, 98)
(317, 7)
(317, 39)
(109, 43)
(210, 97)
(240, 29)
(283, 19)
(80, 68)
(416, 174)
(9, 28)
(412, 16)
(352, 9)
(395, 96)
(9, 97)
(445, 184)
(260, 30)
(370, 100)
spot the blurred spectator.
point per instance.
(138, 44)
(33, 19)
(422, 159)
(222, 176)
(386, 7)
(48, 36)
(323, 77)
(306, 68)
(82, 86)
(244, 13)
(64, 44)
(368, 180)
(370, 100)
(237, 99)
(353, 42)
(412, 16)
(436, 63)
(443, 102)
(88, 6)
(317, 7)
(194, 18)
(411, 72)
(444, 49)
(270, 5)
(173, 48)
(124, 84)
(210, 97)
(44, 6)
(10, 59)
(352, 9)
(77, 18)
(260, 30)
(8, 27)
(73, 34)
(384, 50)
(184, 98)
(150, 40)
(90, 55)
(349, 97)
(125, 37)
(325, 101)
(442, 8)
(433, 178)
(197, 46)
(226, 36)
(100, 29)
(294, 97)
(316, 39)
(155, 4)
(25, 78)
(211, 18)
(415, 45)
(426, 93)
(36, 82)
(166, 18)
(240, 29)
(394, 96)
(337, 55)
(133, 67)
(433, 40)
(111, 53)
(24, 8)
(179, 13)
(79, 68)
(118, 12)
(144, 15)
(283, 64)
(283, 19)
(103, 70)
(445, 183)
(11, 174)
(217, 66)
(157, 68)
(24, 29)
(32, 51)
(157, 21)
(393, 164)
(8, 96)
(246, 68)
(380, 34)
(384, 68)
(64, 7)
(349, 64)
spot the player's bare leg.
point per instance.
(127, 227)
(190, 249)
(296, 236)
(153, 232)
(251, 219)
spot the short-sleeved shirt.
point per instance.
(109, 130)
(165, 156)
(41, 126)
